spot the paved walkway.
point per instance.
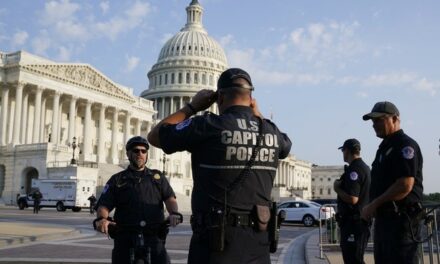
(21, 233)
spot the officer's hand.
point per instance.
(255, 109)
(203, 99)
(368, 211)
(102, 225)
(174, 220)
(336, 184)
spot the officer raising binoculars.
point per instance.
(234, 159)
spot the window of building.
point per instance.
(211, 80)
(188, 78)
(166, 78)
(180, 77)
(329, 191)
(172, 78)
(329, 179)
(203, 78)
(160, 79)
(196, 77)
(320, 191)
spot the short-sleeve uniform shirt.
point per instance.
(221, 146)
(355, 182)
(398, 156)
(136, 196)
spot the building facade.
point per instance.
(52, 113)
(323, 178)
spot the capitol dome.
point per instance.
(188, 62)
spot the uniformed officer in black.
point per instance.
(353, 190)
(137, 194)
(221, 146)
(396, 189)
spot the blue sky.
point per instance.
(318, 66)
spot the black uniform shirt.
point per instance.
(136, 196)
(398, 156)
(355, 182)
(221, 145)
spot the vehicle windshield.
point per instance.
(315, 204)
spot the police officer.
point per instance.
(138, 194)
(396, 189)
(37, 196)
(92, 200)
(234, 159)
(353, 190)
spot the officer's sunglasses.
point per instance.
(137, 151)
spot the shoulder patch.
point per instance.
(183, 124)
(156, 176)
(408, 152)
(105, 189)
(353, 176)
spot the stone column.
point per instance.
(114, 136)
(180, 102)
(4, 114)
(162, 109)
(72, 118)
(37, 116)
(87, 137)
(127, 127)
(138, 127)
(24, 118)
(17, 117)
(55, 110)
(43, 119)
(101, 139)
(148, 126)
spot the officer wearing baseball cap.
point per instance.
(353, 192)
(233, 170)
(396, 188)
(137, 194)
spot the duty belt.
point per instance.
(232, 219)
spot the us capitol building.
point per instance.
(69, 119)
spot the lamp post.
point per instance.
(73, 160)
(164, 160)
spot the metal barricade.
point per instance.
(429, 249)
(430, 235)
(329, 234)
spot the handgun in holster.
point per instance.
(274, 227)
(216, 229)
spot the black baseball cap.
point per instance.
(226, 79)
(382, 109)
(351, 144)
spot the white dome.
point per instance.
(192, 43)
(188, 62)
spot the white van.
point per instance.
(61, 194)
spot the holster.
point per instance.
(274, 228)
(262, 214)
(216, 229)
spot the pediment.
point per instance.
(81, 75)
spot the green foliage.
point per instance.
(434, 197)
